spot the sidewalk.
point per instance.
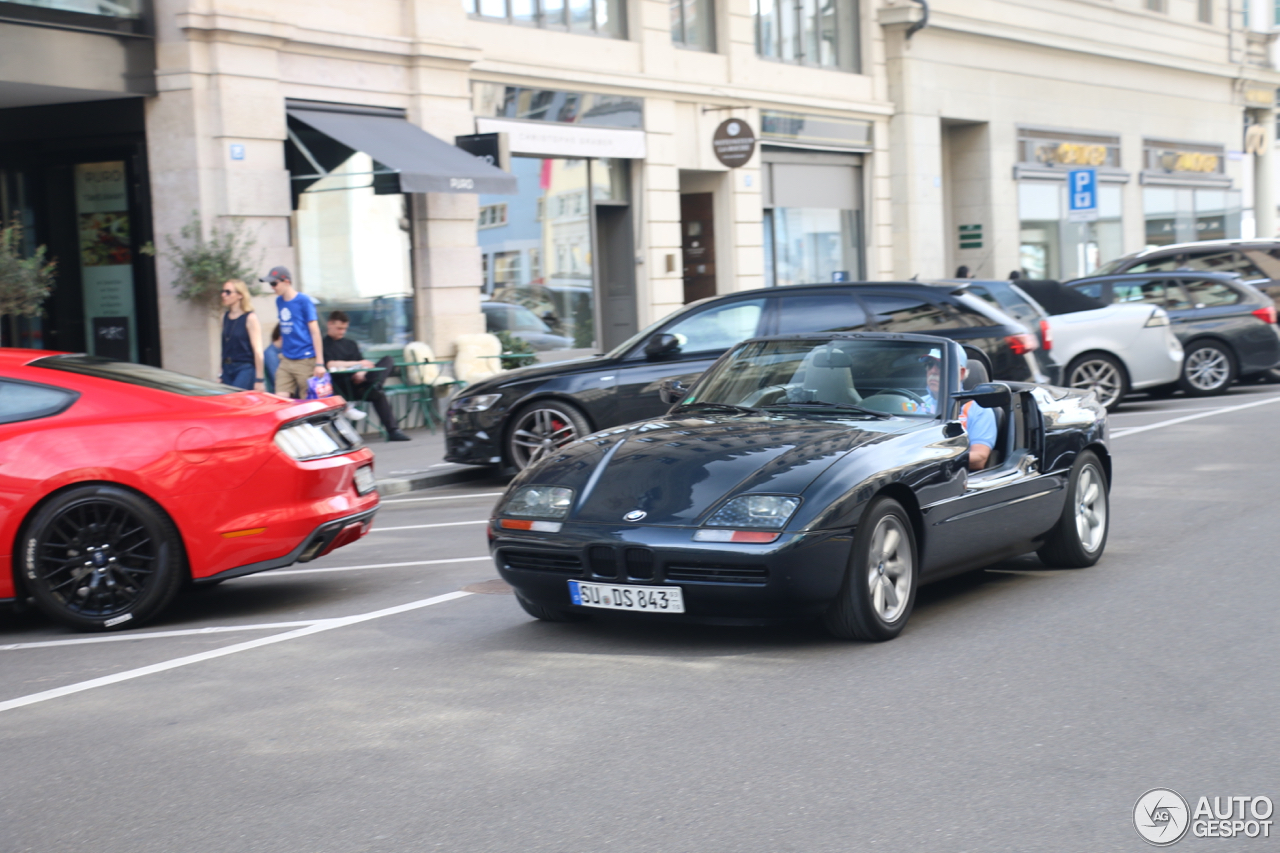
(403, 466)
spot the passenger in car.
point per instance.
(980, 423)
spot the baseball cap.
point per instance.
(277, 274)
(934, 354)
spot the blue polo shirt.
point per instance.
(980, 423)
(295, 333)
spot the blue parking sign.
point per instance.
(1082, 195)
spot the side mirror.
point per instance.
(989, 395)
(673, 390)
(660, 345)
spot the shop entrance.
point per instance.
(698, 242)
(74, 176)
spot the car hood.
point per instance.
(675, 470)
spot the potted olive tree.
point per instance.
(26, 278)
(203, 264)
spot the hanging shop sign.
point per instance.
(733, 142)
(106, 259)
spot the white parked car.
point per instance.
(1108, 349)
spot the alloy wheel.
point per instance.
(539, 433)
(889, 569)
(96, 558)
(1100, 377)
(1091, 508)
(1207, 369)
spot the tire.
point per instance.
(101, 558)
(1208, 369)
(1080, 536)
(874, 603)
(1102, 374)
(549, 614)
(539, 429)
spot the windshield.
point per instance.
(893, 377)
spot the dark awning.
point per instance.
(426, 164)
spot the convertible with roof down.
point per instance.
(806, 476)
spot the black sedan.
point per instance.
(515, 418)
(807, 476)
(1227, 327)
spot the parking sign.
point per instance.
(1082, 195)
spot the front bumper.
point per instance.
(793, 578)
(472, 438)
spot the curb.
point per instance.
(446, 476)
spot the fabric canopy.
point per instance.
(426, 164)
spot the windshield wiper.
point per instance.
(724, 407)
(844, 407)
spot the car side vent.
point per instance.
(603, 561)
(556, 562)
(712, 573)
(639, 563)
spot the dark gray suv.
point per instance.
(1257, 262)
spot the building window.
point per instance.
(1054, 247)
(809, 32)
(1204, 12)
(590, 17)
(1185, 214)
(691, 24)
(492, 216)
(1156, 5)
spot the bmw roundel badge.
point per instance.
(635, 515)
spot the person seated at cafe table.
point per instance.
(343, 354)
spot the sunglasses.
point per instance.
(273, 283)
(228, 292)
(930, 363)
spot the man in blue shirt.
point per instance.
(299, 336)
(980, 423)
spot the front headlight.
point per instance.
(768, 511)
(478, 403)
(540, 502)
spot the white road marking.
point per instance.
(316, 628)
(421, 526)
(443, 498)
(151, 635)
(1208, 414)
(279, 572)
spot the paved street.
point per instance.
(364, 702)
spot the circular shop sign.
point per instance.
(734, 142)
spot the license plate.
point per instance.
(649, 599)
(364, 480)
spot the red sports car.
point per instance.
(119, 482)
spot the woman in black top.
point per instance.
(241, 339)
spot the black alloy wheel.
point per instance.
(879, 589)
(540, 429)
(1102, 374)
(1208, 369)
(101, 557)
(1078, 539)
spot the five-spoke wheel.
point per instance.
(540, 429)
(1081, 533)
(880, 585)
(100, 557)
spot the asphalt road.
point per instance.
(362, 702)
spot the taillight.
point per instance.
(1046, 335)
(1022, 344)
(1266, 315)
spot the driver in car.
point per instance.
(980, 423)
